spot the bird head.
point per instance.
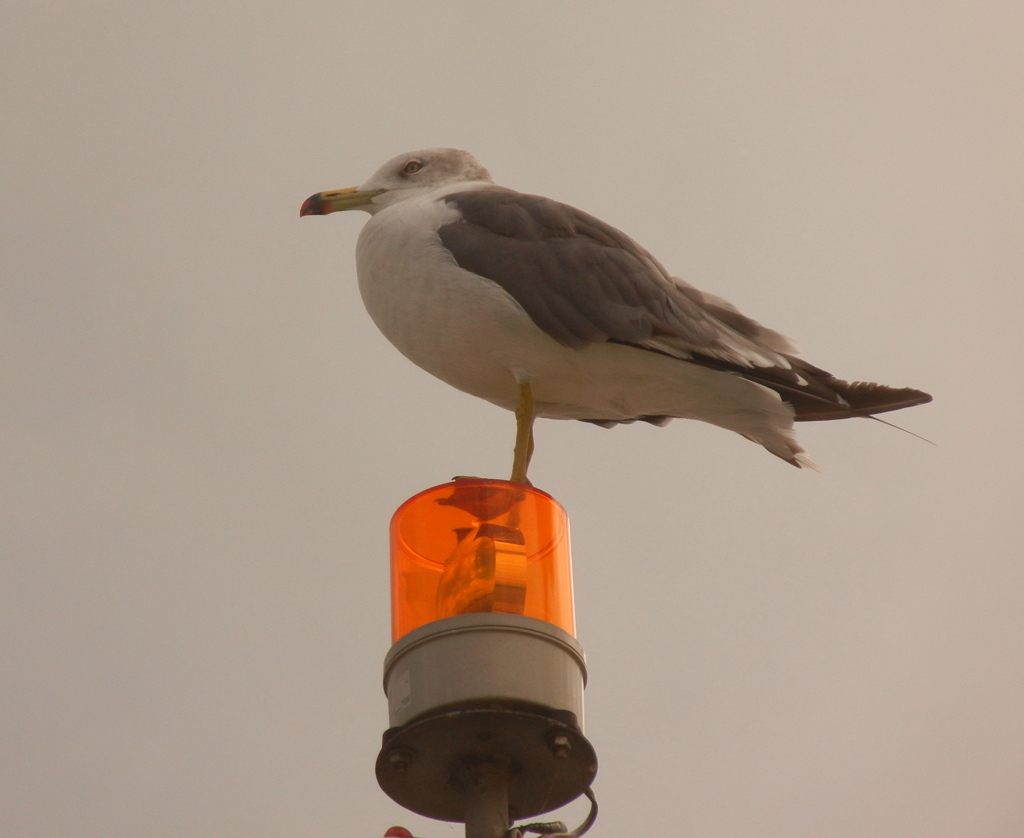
(402, 177)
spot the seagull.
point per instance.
(545, 310)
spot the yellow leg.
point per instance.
(524, 435)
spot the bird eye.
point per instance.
(412, 167)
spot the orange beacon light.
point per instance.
(485, 676)
(480, 546)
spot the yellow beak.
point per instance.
(323, 203)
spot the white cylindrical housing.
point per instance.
(476, 660)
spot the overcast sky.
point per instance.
(204, 436)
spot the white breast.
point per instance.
(460, 327)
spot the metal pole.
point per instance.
(485, 784)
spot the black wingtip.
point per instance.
(863, 398)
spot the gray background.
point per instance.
(204, 436)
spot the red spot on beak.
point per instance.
(313, 205)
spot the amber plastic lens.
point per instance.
(475, 546)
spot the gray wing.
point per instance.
(582, 281)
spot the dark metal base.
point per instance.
(423, 765)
